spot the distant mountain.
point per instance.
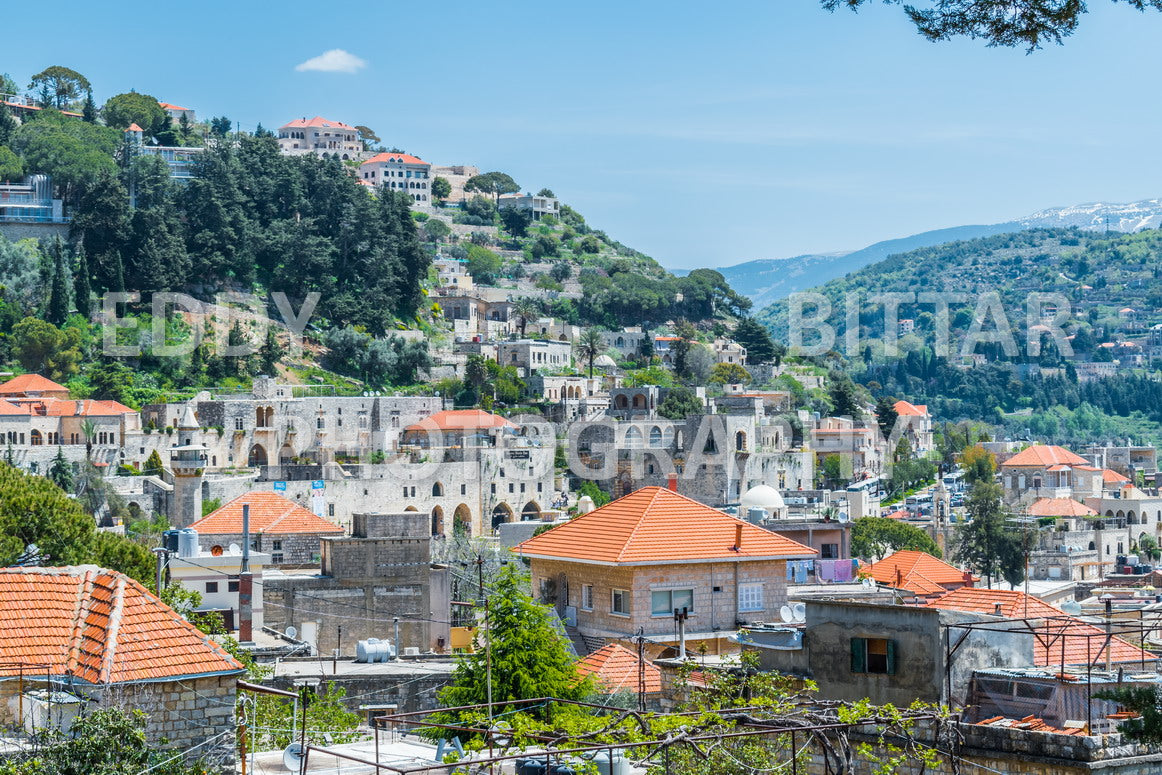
(766, 281)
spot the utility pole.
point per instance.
(487, 634)
(245, 584)
(641, 670)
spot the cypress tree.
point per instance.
(82, 289)
(58, 298)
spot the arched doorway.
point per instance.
(530, 512)
(257, 456)
(501, 514)
(462, 520)
(286, 455)
(437, 521)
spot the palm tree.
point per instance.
(526, 308)
(89, 429)
(590, 346)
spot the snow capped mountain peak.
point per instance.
(1098, 216)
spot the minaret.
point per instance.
(941, 512)
(187, 460)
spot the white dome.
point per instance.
(585, 504)
(604, 362)
(761, 497)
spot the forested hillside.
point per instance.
(1113, 286)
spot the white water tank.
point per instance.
(187, 542)
(374, 650)
(611, 763)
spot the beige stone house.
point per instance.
(626, 566)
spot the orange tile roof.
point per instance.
(31, 383)
(318, 122)
(655, 525)
(1083, 643)
(7, 407)
(615, 668)
(904, 409)
(269, 513)
(1059, 507)
(170, 106)
(917, 572)
(898, 514)
(1044, 455)
(100, 627)
(134, 128)
(401, 158)
(1112, 477)
(461, 420)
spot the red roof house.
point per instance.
(919, 573)
(278, 525)
(617, 669)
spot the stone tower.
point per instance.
(187, 461)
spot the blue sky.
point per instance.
(703, 135)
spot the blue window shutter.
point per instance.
(891, 657)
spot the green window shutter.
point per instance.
(891, 657)
(858, 655)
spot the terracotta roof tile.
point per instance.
(1083, 643)
(318, 122)
(402, 158)
(31, 383)
(655, 525)
(1059, 507)
(1044, 455)
(269, 513)
(914, 571)
(905, 409)
(99, 626)
(615, 668)
(460, 420)
(1112, 477)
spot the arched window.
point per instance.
(620, 402)
(437, 490)
(639, 401)
(633, 438)
(36, 438)
(740, 441)
(655, 436)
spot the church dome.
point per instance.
(762, 497)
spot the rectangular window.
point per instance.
(619, 603)
(829, 552)
(750, 597)
(211, 587)
(587, 597)
(276, 545)
(873, 655)
(663, 602)
(232, 584)
(276, 557)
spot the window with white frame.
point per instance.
(587, 597)
(619, 602)
(664, 601)
(750, 597)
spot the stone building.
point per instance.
(102, 637)
(456, 175)
(291, 534)
(365, 581)
(320, 136)
(530, 356)
(399, 172)
(628, 565)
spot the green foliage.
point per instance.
(483, 264)
(495, 183)
(436, 230)
(61, 471)
(516, 220)
(979, 465)
(590, 347)
(760, 348)
(103, 741)
(211, 505)
(20, 271)
(1025, 23)
(153, 465)
(11, 166)
(729, 374)
(378, 362)
(73, 152)
(33, 510)
(989, 543)
(441, 189)
(679, 403)
(121, 110)
(873, 538)
(600, 497)
(328, 720)
(42, 347)
(529, 654)
(62, 84)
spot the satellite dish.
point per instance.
(786, 614)
(843, 517)
(292, 632)
(235, 548)
(799, 611)
(292, 757)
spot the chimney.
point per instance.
(967, 579)
(245, 584)
(672, 482)
(738, 537)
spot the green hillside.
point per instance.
(1113, 287)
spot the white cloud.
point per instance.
(334, 61)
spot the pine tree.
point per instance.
(89, 112)
(153, 465)
(270, 353)
(61, 471)
(58, 296)
(7, 124)
(82, 289)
